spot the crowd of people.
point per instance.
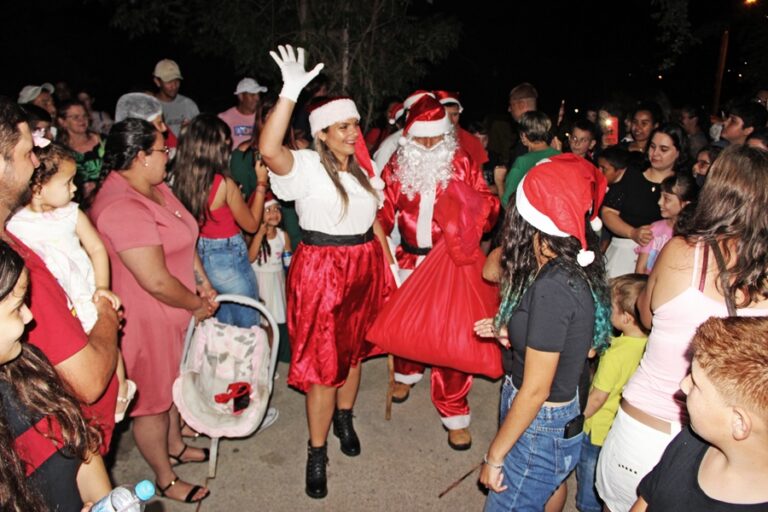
(616, 262)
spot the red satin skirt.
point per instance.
(334, 294)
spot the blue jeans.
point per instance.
(586, 495)
(539, 461)
(226, 262)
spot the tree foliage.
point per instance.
(372, 49)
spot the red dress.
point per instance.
(153, 335)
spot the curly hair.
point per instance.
(50, 158)
(203, 151)
(519, 270)
(42, 394)
(731, 208)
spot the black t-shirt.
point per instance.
(54, 478)
(556, 314)
(635, 198)
(674, 485)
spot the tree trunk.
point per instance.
(345, 59)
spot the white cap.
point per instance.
(249, 85)
(29, 92)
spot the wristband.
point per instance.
(487, 463)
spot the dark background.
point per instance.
(585, 52)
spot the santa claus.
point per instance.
(428, 158)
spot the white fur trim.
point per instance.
(429, 128)
(424, 220)
(456, 422)
(332, 112)
(411, 378)
(452, 101)
(270, 202)
(596, 224)
(585, 258)
(534, 217)
(377, 183)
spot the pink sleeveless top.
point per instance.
(655, 386)
(220, 222)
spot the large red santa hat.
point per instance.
(558, 194)
(426, 118)
(364, 160)
(325, 113)
(414, 97)
(449, 98)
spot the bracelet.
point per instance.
(264, 183)
(487, 463)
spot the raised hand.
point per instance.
(295, 76)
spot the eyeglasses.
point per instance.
(164, 149)
(577, 140)
(703, 162)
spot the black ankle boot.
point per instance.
(343, 429)
(317, 482)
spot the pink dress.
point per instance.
(153, 335)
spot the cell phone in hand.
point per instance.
(574, 427)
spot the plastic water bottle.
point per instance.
(126, 498)
(287, 259)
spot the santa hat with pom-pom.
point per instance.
(426, 118)
(414, 97)
(269, 199)
(449, 98)
(395, 112)
(330, 111)
(558, 194)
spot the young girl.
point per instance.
(45, 444)
(53, 226)
(202, 184)
(266, 256)
(677, 191)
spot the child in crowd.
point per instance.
(54, 227)
(266, 253)
(583, 138)
(617, 364)
(613, 161)
(677, 191)
(704, 159)
(721, 462)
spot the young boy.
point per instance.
(617, 364)
(721, 462)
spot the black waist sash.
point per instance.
(318, 238)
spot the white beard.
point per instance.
(420, 170)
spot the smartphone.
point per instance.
(611, 131)
(574, 427)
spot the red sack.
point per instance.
(429, 319)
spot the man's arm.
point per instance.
(88, 371)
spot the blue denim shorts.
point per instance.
(540, 460)
(226, 262)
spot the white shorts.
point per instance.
(630, 452)
(620, 257)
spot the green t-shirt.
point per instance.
(617, 364)
(520, 167)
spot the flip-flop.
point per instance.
(178, 461)
(188, 497)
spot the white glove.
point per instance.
(396, 273)
(295, 77)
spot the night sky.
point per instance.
(584, 52)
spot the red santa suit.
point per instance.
(419, 231)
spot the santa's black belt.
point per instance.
(318, 238)
(419, 251)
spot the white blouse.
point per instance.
(318, 204)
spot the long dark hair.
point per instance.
(203, 151)
(332, 166)
(679, 139)
(519, 269)
(731, 207)
(40, 391)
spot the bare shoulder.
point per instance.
(672, 272)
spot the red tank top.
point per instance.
(220, 222)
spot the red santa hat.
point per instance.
(395, 112)
(557, 195)
(331, 111)
(426, 118)
(269, 199)
(364, 160)
(449, 98)
(414, 97)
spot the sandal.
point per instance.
(124, 401)
(177, 459)
(190, 495)
(193, 435)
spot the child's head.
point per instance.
(624, 292)
(727, 388)
(272, 212)
(535, 125)
(613, 161)
(677, 191)
(14, 313)
(52, 183)
(39, 120)
(583, 137)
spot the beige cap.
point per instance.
(167, 70)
